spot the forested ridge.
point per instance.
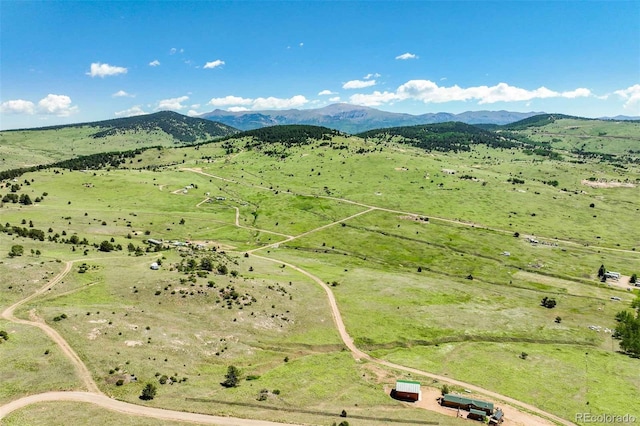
(451, 136)
(183, 128)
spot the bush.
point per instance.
(120, 382)
(548, 303)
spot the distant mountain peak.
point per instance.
(355, 118)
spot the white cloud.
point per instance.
(258, 103)
(154, 63)
(59, 105)
(195, 106)
(326, 93)
(429, 92)
(301, 44)
(230, 100)
(368, 76)
(214, 64)
(578, 93)
(122, 94)
(374, 99)
(192, 113)
(358, 84)
(172, 103)
(238, 109)
(173, 51)
(131, 112)
(278, 103)
(103, 70)
(631, 94)
(17, 106)
(406, 56)
(335, 99)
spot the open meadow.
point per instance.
(438, 261)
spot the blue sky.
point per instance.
(67, 62)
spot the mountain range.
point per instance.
(355, 119)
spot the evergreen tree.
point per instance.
(149, 392)
(232, 378)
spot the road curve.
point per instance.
(358, 354)
(130, 409)
(81, 369)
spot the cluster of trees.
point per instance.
(16, 250)
(33, 233)
(289, 135)
(452, 136)
(628, 329)
(4, 336)
(206, 263)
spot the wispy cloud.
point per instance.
(103, 70)
(358, 84)
(369, 76)
(406, 56)
(214, 64)
(631, 94)
(122, 94)
(154, 63)
(172, 103)
(237, 103)
(335, 99)
(18, 106)
(429, 92)
(326, 93)
(131, 112)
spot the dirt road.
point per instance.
(131, 409)
(359, 355)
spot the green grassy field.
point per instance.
(430, 254)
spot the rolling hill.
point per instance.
(45, 145)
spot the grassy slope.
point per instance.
(374, 257)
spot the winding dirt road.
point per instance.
(94, 395)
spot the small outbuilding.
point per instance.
(407, 390)
(497, 418)
(477, 415)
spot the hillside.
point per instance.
(354, 118)
(453, 136)
(288, 251)
(45, 145)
